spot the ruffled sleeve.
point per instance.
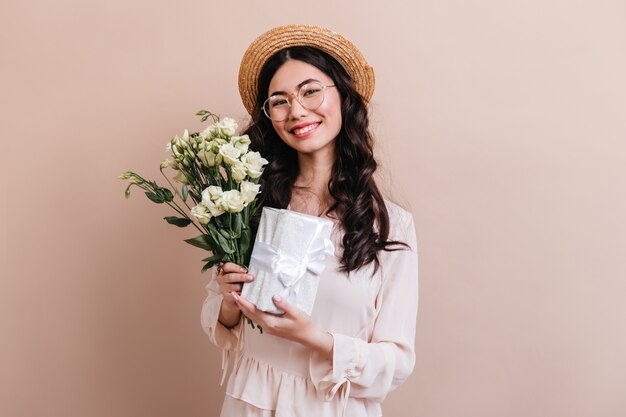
(371, 369)
(228, 339)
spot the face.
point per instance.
(307, 131)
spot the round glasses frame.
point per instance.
(297, 97)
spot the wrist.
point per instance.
(229, 315)
(319, 341)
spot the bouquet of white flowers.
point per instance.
(219, 184)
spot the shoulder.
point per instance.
(401, 224)
(399, 217)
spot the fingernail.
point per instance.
(250, 277)
(277, 298)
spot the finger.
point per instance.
(229, 298)
(229, 267)
(228, 288)
(246, 306)
(284, 305)
(235, 277)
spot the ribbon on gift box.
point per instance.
(289, 268)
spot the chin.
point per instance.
(312, 147)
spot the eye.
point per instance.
(310, 90)
(278, 101)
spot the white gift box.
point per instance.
(288, 257)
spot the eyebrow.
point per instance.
(299, 86)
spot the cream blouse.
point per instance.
(372, 320)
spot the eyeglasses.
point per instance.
(310, 96)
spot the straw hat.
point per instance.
(272, 41)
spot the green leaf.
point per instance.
(202, 242)
(213, 231)
(178, 221)
(214, 258)
(164, 193)
(154, 197)
(168, 194)
(225, 233)
(185, 192)
(237, 226)
(244, 241)
(226, 244)
(222, 221)
(207, 266)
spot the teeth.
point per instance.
(305, 129)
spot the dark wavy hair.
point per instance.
(358, 205)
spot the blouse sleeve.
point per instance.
(373, 369)
(222, 336)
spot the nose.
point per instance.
(296, 110)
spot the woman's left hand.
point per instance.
(294, 324)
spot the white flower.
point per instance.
(209, 131)
(254, 163)
(229, 153)
(232, 201)
(249, 191)
(214, 207)
(201, 213)
(227, 126)
(211, 199)
(238, 171)
(241, 143)
(211, 193)
(165, 163)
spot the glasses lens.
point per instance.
(277, 107)
(311, 95)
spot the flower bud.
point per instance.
(180, 177)
(136, 180)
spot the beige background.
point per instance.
(501, 125)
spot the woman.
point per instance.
(306, 89)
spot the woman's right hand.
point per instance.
(230, 278)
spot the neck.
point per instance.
(315, 171)
(310, 192)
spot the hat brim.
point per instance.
(274, 40)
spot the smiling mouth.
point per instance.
(303, 131)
